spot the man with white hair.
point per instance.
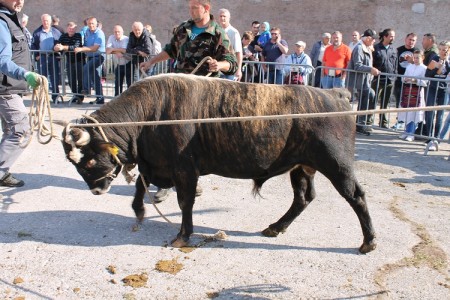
(116, 46)
(235, 41)
(140, 46)
(43, 39)
(24, 26)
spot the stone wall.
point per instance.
(298, 19)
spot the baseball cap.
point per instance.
(300, 43)
(370, 32)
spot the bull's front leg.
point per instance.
(138, 201)
(186, 185)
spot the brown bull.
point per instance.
(176, 155)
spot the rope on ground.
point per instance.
(263, 118)
(40, 109)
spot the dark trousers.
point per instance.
(366, 102)
(384, 89)
(121, 72)
(318, 75)
(75, 75)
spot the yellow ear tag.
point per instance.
(113, 150)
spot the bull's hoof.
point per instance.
(140, 215)
(367, 247)
(179, 243)
(269, 232)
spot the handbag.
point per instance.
(295, 77)
(410, 96)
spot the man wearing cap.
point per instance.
(335, 58)
(317, 55)
(299, 57)
(360, 80)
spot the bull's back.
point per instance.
(236, 149)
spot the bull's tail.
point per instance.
(257, 184)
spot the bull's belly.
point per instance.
(253, 164)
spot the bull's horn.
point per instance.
(80, 137)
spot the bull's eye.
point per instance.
(91, 163)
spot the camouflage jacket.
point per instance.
(188, 53)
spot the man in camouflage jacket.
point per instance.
(195, 39)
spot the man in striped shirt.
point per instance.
(74, 61)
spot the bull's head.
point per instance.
(93, 158)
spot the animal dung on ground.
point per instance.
(18, 280)
(112, 269)
(169, 266)
(136, 280)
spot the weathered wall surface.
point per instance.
(298, 19)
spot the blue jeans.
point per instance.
(410, 128)
(92, 70)
(329, 82)
(445, 127)
(435, 98)
(275, 77)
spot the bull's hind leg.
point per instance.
(302, 181)
(138, 201)
(349, 188)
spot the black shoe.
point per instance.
(10, 181)
(74, 99)
(364, 129)
(161, 195)
(99, 100)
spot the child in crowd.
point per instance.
(413, 95)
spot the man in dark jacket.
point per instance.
(74, 61)
(14, 65)
(385, 59)
(139, 46)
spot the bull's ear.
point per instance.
(109, 147)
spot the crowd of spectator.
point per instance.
(264, 56)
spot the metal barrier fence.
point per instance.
(102, 76)
(395, 91)
(96, 76)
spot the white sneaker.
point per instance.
(409, 138)
(432, 146)
(402, 136)
(399, 126)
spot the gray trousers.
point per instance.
(16, 130)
